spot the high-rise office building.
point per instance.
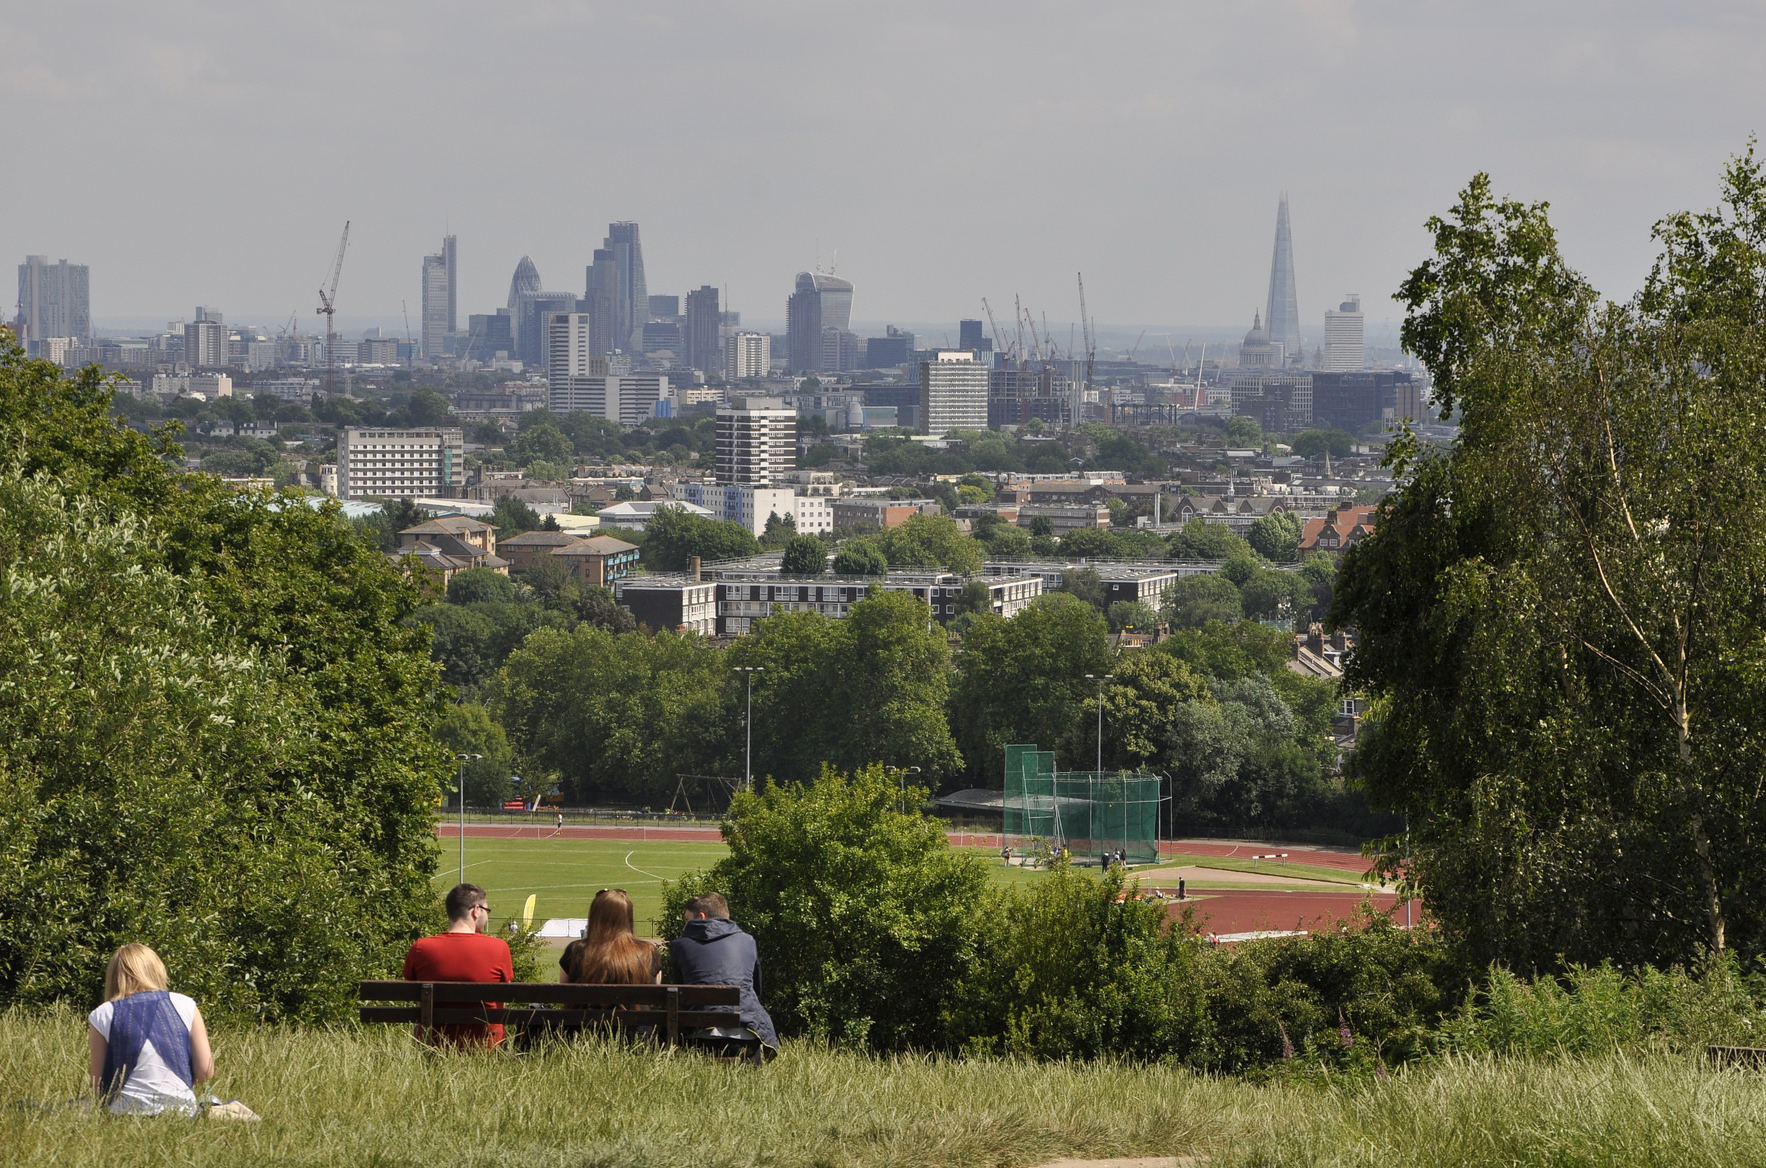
(820, 302)
(526, 279)
(1345, 346)
(1281, 316)
(953, 392)
(756, 441)
(665, 307)
(54, 299)
(700, 330)
(631, 296)
(747, 355)
(894, 348)
(840, 351)
(452, 259)
(438, 294)
(488, 334)
(528, 323)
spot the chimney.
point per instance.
(693, 567)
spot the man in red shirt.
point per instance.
(463, 953)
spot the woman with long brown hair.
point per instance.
(611, 953)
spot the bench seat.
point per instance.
(673, 1010)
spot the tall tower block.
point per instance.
(1281, 316)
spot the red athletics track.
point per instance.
(546, 830)
(1242, 910)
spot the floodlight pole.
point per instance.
(1100, 681)
(748, 725)
(461, 790)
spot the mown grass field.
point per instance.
(566, 872)
(373, 1098)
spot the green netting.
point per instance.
(1089, 812)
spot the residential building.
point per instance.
(680, 603)
(450, 545)
(744, 596)
(54, 300)
(1282, 313)
(382, 463)
(627, 398)
(633, 515)
(206, 385)
(747, 355)
(597, 561)
(953, 392)
(821, 301)
(1064, 517)
(530, 547)
(377, 351)
(878, 511)
(756, 441)
(1345, 346)
(205, 340)
(1016, 394)
(1340, 528)
(702, 349)
(753, 506)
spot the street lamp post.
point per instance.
(461, 782)
(1100, 681)
(748, 724)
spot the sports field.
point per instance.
(1229, 892)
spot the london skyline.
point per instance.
(943, 155)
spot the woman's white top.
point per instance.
(151, 1086)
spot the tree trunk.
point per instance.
(1701, 845)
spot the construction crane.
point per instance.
(1137, 345)
(999, 341)
(328, 306)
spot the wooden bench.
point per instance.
(1737, 1056)
(671, 1012)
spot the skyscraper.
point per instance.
(453, 282)
(821, 302)
(205, 340)
(1281, 316)
(53, 299)
(1345, 345)
(526, 279)
(435, 305)
(953, 392)
(631, 296)
(700, 331)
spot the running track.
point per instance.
(1224, 911)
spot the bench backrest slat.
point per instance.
(660, 997)
(626, 1019)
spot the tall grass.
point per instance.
(373, 1098)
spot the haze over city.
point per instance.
(209, 154)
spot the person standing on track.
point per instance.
(559, 830)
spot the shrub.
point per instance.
(480, 585)
(865, 917)
(860, 557)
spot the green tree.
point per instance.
(1193, 601)
(672, 537)
(469, 729)
(805, 555)
(512, 516)
(219, 740)
(614, 716)
(866, 915)
(1275, 537)
(425, 407)
(1312, 443)
(1244, 432)
(1008, 543)
(1092, 543)
(1023, 679)
(860, 557)
(931, 541)
(1201, 540)
(780, 530)
(545, 442)
(1559, 616)
(1131, 614)
(475, 585)
(1085, 584)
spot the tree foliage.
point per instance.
(214, 724)
(1561, 616)
(672, 537)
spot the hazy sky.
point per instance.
(209, 153)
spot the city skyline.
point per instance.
(1130, 143)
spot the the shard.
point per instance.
(1282, 314)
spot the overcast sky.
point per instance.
(210, 153)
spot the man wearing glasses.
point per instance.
(466, 952)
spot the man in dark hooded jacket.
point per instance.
(713, 950)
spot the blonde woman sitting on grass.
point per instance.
(149, 1047)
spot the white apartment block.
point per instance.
(953, 392)
(377, 463)
(756, 441)
(205, 385)
(626, 398)
(747, 355)
(1345, 348)
(753, 506)
(205, 344)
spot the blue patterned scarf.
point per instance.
(134, 1021)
